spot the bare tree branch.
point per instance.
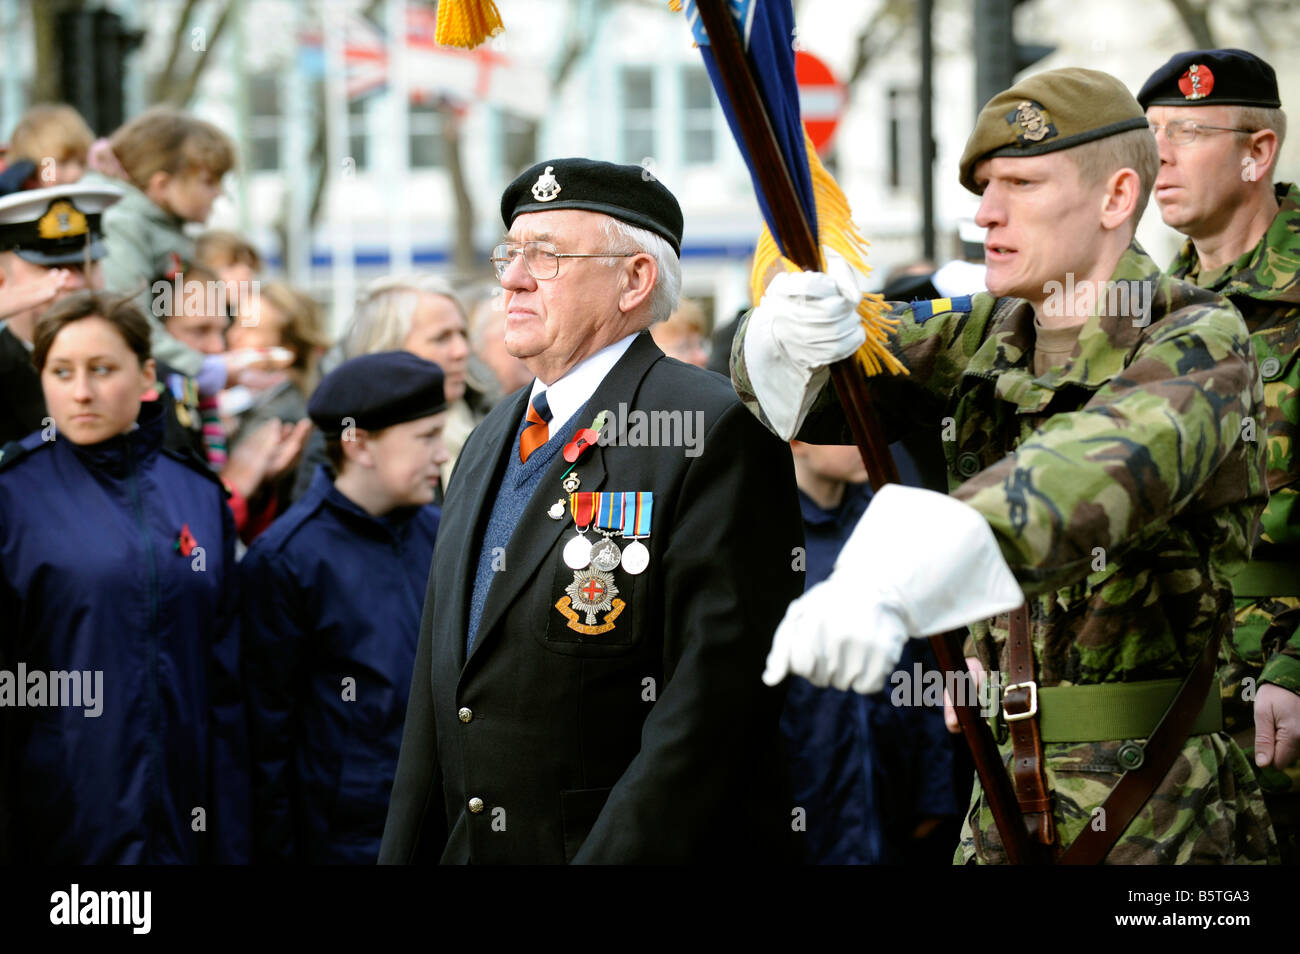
(163, 81)
(185, 91)
(1196, 20)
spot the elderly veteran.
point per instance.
(587, 684)
(1101, 489)
(1220, 126)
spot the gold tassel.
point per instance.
(835, 230)
(675, 6)
(467, 23)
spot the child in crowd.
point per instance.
(331, 614)
(48, 148)
(234, 260)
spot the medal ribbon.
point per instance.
(609, 511)
(637, 506)
(583, 507)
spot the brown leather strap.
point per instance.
(1132, 791)
(1020, 708)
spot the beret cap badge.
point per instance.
(1197, 82)
(1032, 121)
(546, 187)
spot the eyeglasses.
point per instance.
(541, 259)
(1183, 132)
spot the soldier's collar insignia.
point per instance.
(546, 187)
(1197, 82)
(1031, 122)
(62, 220)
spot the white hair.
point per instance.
(382, 320)
(668, 284)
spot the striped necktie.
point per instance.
(535, 433)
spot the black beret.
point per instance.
(377, 391)
(628, 193)
(1212, 78)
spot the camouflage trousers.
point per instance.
(1255, 638)
(1207, 810)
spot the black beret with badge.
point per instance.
(1212, 78)
(1058, 109)
(628, 193)
(54, 226)
(376, 391)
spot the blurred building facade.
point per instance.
(310, 85)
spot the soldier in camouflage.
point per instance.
(1219, 142)
(1093, 415)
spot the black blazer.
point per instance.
(653, 742)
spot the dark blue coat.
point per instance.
(332, 616)
(93, 577)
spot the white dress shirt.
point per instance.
(567, 395)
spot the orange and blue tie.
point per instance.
(535, 433)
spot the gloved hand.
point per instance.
(918, 563)
(805, 322)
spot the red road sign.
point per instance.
(821, 98)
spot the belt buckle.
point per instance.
(1033, 701)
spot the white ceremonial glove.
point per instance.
(805, 322)
(917, 564)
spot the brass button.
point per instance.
(1130, 756)
(1269, 367)
(465, 714)
(476, 805)
(968, 465)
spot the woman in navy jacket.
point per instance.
(122, 735)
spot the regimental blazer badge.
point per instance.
(592, 592)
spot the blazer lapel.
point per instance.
(537, 534)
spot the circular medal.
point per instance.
(636, 557)
(577, 553)
(605, 555)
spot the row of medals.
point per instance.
(604, 555)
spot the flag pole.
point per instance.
(799, 243)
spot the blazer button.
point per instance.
(476, 805)
(1269, 367)
(465, 714)
(968, 465)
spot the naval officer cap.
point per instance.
(627, 193)
(1058, 109)
(376, 391)
(1212, 78)
(53, 226)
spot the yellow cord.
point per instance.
(466, 23)
(835, 230)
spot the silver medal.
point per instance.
(605, 555)
(577, 553)
(636, 557)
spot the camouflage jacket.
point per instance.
(1122, 496)
(1264, 284)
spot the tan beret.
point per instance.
(1058, 109)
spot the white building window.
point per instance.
(428, 148)
(698, 126)
(264, 122)
(638, 113)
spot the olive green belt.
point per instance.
(1267, 578)
(1117, 710)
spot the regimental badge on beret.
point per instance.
(1031, 121)
(63, 220)
(1197, 82)
(546, 187)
